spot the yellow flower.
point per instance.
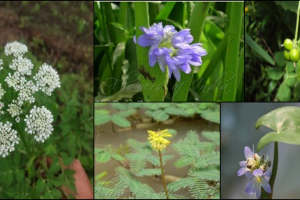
(157, 139)
(246, 9)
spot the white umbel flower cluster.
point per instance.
(8, 139)
(38, 123)
(22, 65)
(15, 48)
(20, 88)
(47, 79)
(2, 92)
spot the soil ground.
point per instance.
(60, 33)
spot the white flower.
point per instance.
(47, 79)
(22, 65)
(27, 89)
(2, 91)
(14, 110)
(8, 139)
(13, 80)
(38, 123)
(15, 48)
(1, 106)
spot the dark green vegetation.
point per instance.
(269, 77)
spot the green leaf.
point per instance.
(118, 157)
(149, 172)
(290, 137)
(120, 121)
(8, 177)
(284, 92)
(285, 121)
(101, 117)
(213, 136)
(281, 119)
(213, 116)
(164, 13)
(160, 115)
(272, 86)
(103, 157)
(19, 175)
(290, 67)
(208, 174)
(260, 51)
(290, 79)
(279, 58)
(275, 73)
(297, 90)
(183, 161)
(40, 186)
(288, 5)
(56, 193)
(127, 113)
(298, 70)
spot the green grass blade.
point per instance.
(260, 51)
(232, 52)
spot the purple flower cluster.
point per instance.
(171, 49)
(255, 168)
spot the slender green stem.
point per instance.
(232, 52)
(264, 194)
(162, 174)
(296, 31)
(24, 141)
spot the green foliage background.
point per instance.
(268, 76)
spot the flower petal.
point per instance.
(177, 74)
(243, 163)
(250, 187)
(241, 171)
(267, 174)
(249, 174)
(265, 185)
(145, 41)
(258, 191)
(185, 67)
(258, 172)
(248, 152)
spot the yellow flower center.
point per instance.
(258, 179)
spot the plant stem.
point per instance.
(296, 31)
(24, 141)
(162, 175)
(264, 194)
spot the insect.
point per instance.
(146, 74)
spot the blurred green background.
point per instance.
(237, 131)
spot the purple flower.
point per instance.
(171, 49)
(248, 154)
(257, 180)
